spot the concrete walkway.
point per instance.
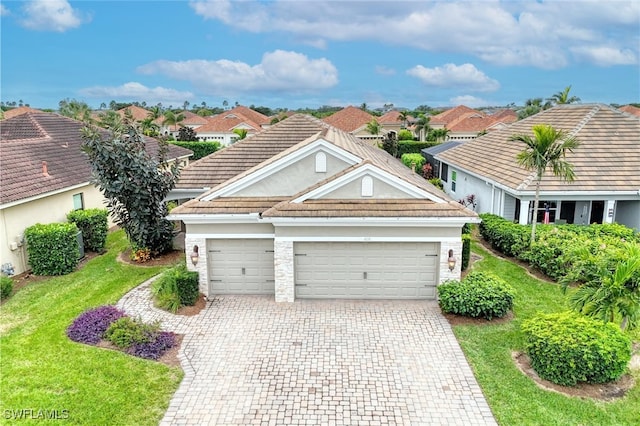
(248, 360)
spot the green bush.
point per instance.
(505, 236)
(126, 331)
(413, 147)
(176, 287)
(94, 224)
(200, 149)
(415, 161)
(187, 284)
(466, 251)
(437, 182)
(53, 248)
(6, 287)
(567, 348)
(479, 294)
(405, 135)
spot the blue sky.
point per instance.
(297, 54)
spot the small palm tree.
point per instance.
(172, 119)
(374, 127)
(615, 289)
(148, 127)
(422, 126)
(404, 117)
(546, 149)
(242, 133)
(563, 97)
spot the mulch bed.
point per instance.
(189, 311)
(171, 258)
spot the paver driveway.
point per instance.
(249, 360)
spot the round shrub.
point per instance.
(6, 287)
(91, 325)
(567, 348)
(126, 331)
(478, 295)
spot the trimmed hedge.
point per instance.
(6, 287)
(200, 149)
(94, 224)
(413, 147)
(52, 248)
(176, 287)
(479, 294)
(507, 237)
(567, 348)
(410, 159)
(466, 251)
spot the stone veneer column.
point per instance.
(445, 273)
(201, 267)
(283, 264)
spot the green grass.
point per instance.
(514, 398)
(41, 369)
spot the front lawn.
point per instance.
(514, 398)
(41, 369)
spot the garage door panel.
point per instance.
(366, 270)
(241, 266)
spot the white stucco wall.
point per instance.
(628, 213)
(487, 197)
(353, 190)
(53, 208)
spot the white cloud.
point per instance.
(465, 76)
(280, 71)
(468, 100)
(52, 15)
(605, 56)
(3, 10)
(539, 34)
(382, 70)
(136, 91)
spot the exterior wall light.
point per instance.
(451, 260)
(195, 256)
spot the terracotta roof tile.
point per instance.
(608, 158)
(137, 112)
(30, 139)
(630, 109)
(452, 114)
(349, 119)
(391, 117)
(14, 112)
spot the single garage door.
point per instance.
(241, 266)
(373, 270)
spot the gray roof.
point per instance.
(437, 149)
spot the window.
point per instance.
(321, 162)
(454, 176)
(444, 173)
(542, 207)
(367, 186)
(78, 201)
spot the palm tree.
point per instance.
(438, 135)
(546, 149)
(422, 126)
(148, 127)
(614, 290)
(242, 133)
(364, 106)
(563, 97)
(155, 112)
(77, 110)
(172, 119)
(532, 107)
(404, 117)
(374, 127)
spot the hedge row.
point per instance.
(52, 248)
(413, 147)
(200, 149)
(93, 223)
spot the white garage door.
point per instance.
(240, 266)
(366, 270)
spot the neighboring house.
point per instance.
(630, 109)
(606, 165)
(353, 120)
(44, 176)
(193, 120)
(430, 155)
(221, 127)
(14, 112)
(305, 210)
(465, 123)
(392, 122)
(136, 112)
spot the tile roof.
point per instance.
(229, 205)
(392, 117)
(452, 114)
(437, 149)
(247, 153)
(14, 112)
(137, 112)
(28, 140)
(229, 120)
(191, 119)
(608, 158)
(629, 109)
(349, 119)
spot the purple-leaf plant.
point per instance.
(91, 325)
(153, 349)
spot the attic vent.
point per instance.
(321, 162)
(367, 186)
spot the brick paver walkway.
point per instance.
(249, 360)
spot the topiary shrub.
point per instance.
(53, 248)
(466, 251)
(413, 161)
(94, 224)
(567, 348)
(187, 285)
(90, 326)
(6, 287)
(478, 295)
(125, 331)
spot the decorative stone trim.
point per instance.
(284, 274)
(445, 274)
(201, 267)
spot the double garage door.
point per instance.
(323, 270)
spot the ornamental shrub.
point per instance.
(415, 161)
(154, 348)
(507, 237)
(125, 331)
(187, 284)
(6, 287)
(94, 224)
(200, 149)
(413, 147)
(466, 251)
(567, 348)
(52, 248)
(405, 135)
(90, 326)
(479, 294)
(437, 182)
(176, 287)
